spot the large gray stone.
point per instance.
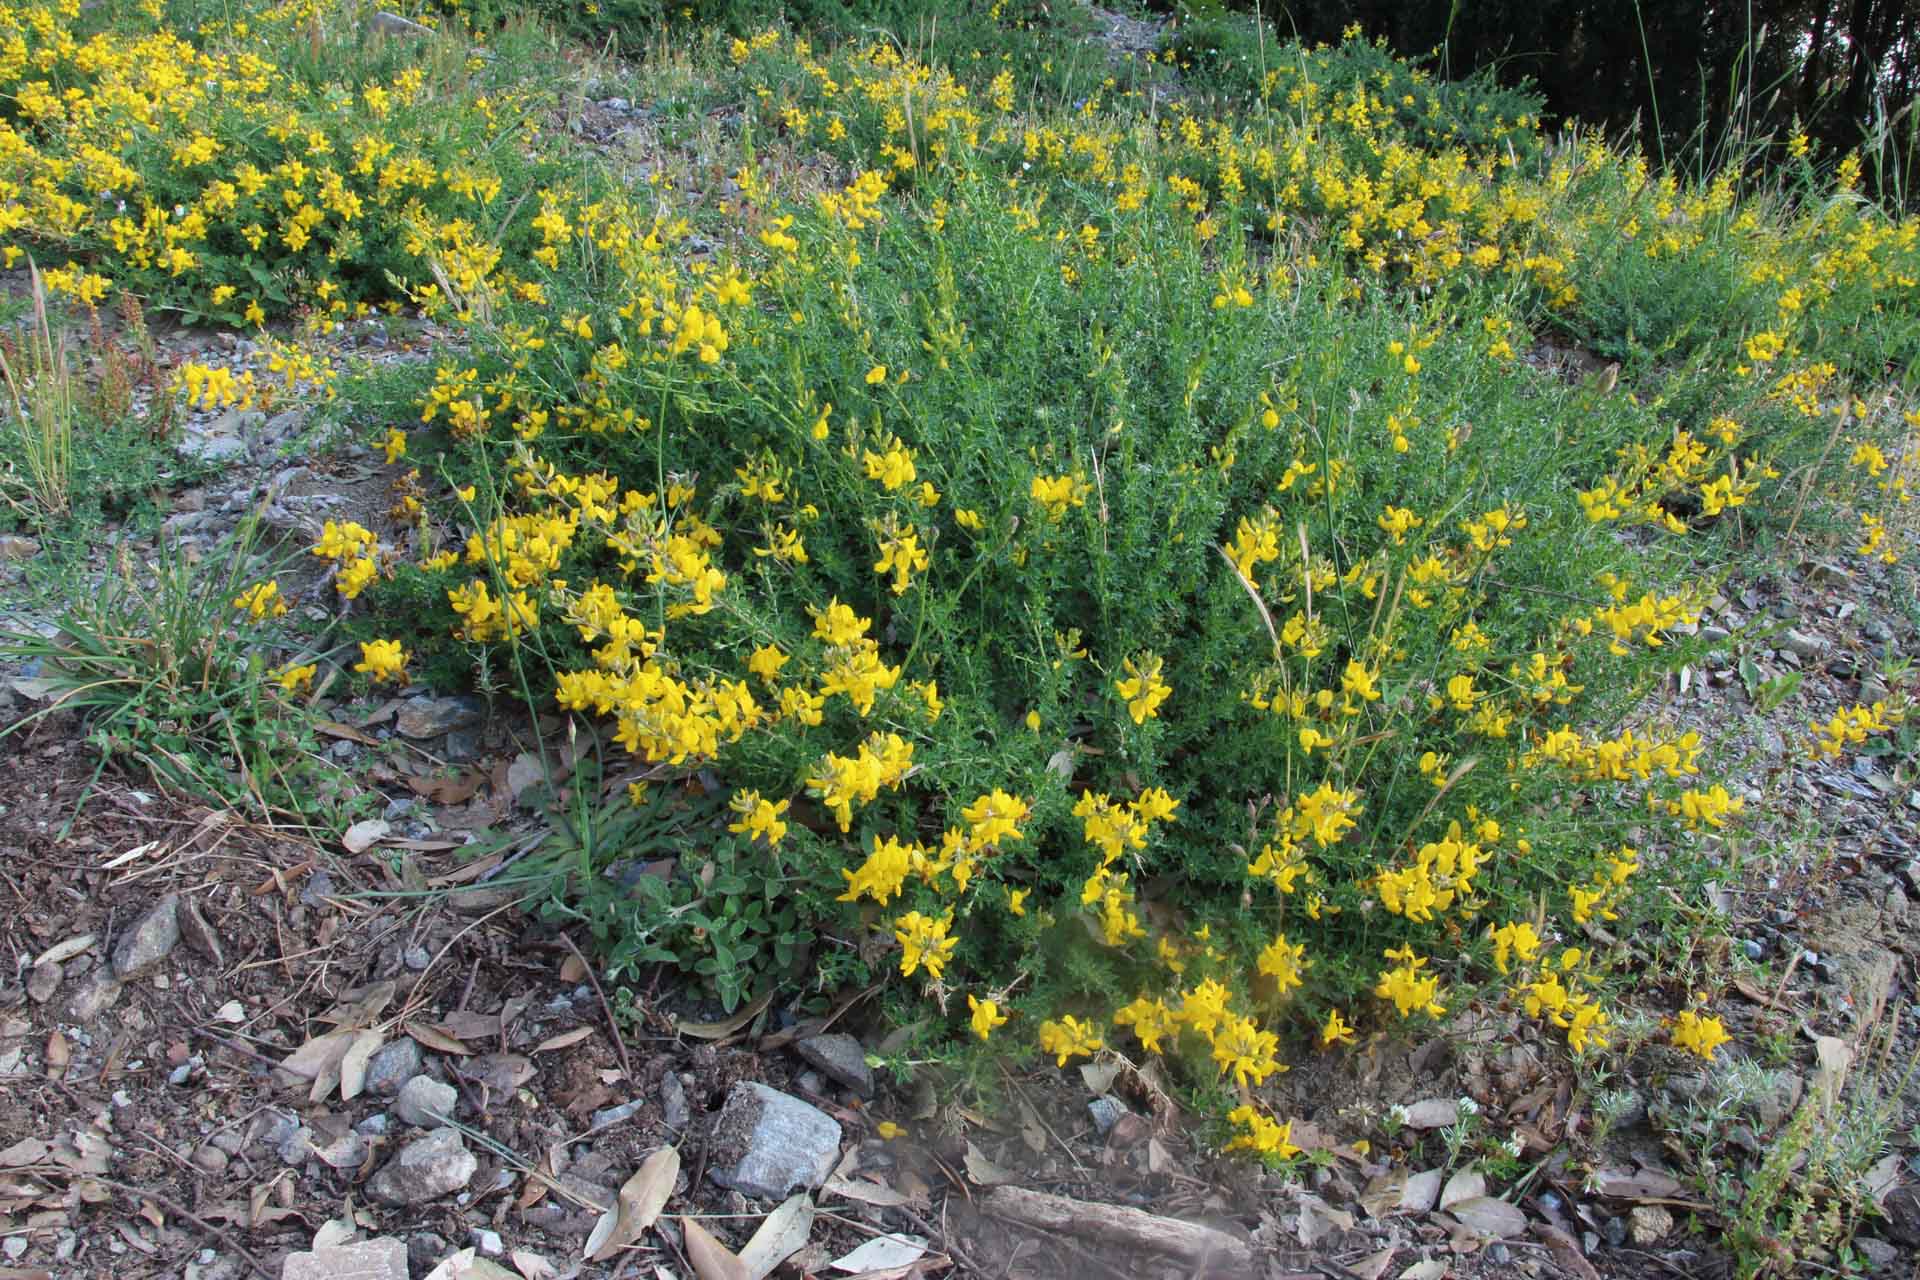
(765, 1143)
(393, 1066)
(150, 941)
(841, 1058)
(425, 1102)
(382, 1259)
(426, 1169)
(431, 717)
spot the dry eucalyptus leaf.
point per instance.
(985, 1172)
(565, 1040)
(1836, 1058)
(1490, 1217)
(1464, 1185)
(533, 1266)
(865, 1192)
(711, 1260)
(1431, 1269)
(726, 1027)
(782, 1234)
(1099, 1076)
(362, 836)
(353, 1063)
(880, 1253)
(1373, 1266)
(334, 1231)
(439, 1041)
(60, 952)
(469, 1265)
(1421, 1192)
(317, 1054)
(642, 1198)
(1432, 1113)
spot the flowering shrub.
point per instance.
(1052, 564)
(211, 168)
(1117, 566)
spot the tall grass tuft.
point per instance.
(40, 411)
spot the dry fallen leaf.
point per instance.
(865, 1192)
(782, 1234)
(362, 836)
(642, 1198)
(1464, 1185)
(881, 1252)
(565, 1040)
(353, 1063)
(59, 1054)
(1490, 1217)
(1432, 1113)
(1431, 1269)
(439, 1041)
(533, 1266)
(711, 1260)
(726, 1027)
(985, 1172)
(1373, 1266)
(469, 1265)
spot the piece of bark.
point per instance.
(1118, 1225)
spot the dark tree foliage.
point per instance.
(1704, 75)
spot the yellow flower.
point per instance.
(395, 444)
(759, 819)
(1069, 1038)
(1056, 494)
(292, 679)
(1262, 1135)
(924, 943)
(986, 1016)
(1337, 1031)
(888, 1130)
(381, 660)
(1699, 1035)
(1017, 901)
(876, 375)
(261, 601)
(1144, 690)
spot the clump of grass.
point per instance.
(40, 410)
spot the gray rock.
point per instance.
(1649, 1224)
(431, 717)
(425, 1169)
(271, 1129)
(296, 1146)
(43, 982)
(377, 1125)
(221, 439)
(393, 1066)
(842, 1059)
(464, 745)
(150, 941)
(382, 1259)
(488, 1242)
(425, 1249)
(392, 24)
(94, 998)
(1106, 1112)
(765, 1143)
(1877, 1253)
(210, 1159)
(607, 1117)
(1802, 645)
(674, 1112)
(425, 1102)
